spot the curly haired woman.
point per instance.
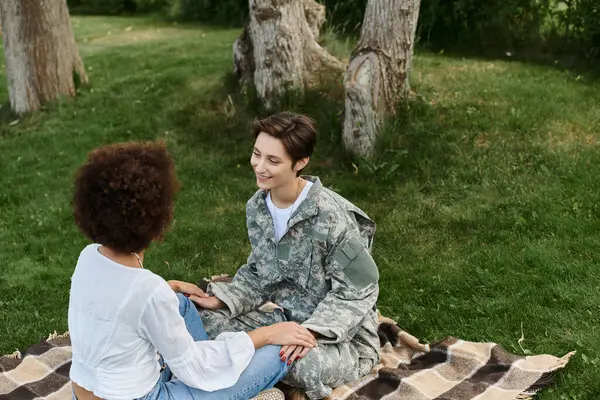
(134, 335)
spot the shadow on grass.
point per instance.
(428, 150)
(413, 146)
(223, 119)
(6, 117)
(561, 61)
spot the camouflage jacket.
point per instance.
(320, 272)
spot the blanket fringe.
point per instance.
(547, 378)
(525, 396)
(55, 335)
(563, 360)
(16, 354)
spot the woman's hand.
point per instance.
(197, 295)
(283, 334)
(293, 353)
(209, 303)
(188, 290)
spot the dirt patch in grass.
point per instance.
(567, 135)
(130, 35)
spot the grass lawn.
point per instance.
(486, 192)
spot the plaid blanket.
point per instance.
(41, 373)
(451, 369)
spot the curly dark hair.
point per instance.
(124, 195)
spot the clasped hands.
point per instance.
(197, 295)
(208, 302)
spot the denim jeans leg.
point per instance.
(263, 372)
(192, 319)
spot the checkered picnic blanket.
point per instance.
(41, 373)
(451, 369)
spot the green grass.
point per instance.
(485, 191)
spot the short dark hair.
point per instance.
(297, 133)
(124, 195)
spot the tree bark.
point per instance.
(42, 59)
(377, 78)
(278, 50)
(315, 16)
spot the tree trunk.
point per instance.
(42, 60)
(278, 49)
(377, 76)
(315, 16)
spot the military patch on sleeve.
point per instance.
(357, 264)
(283, 252)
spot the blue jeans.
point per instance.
(263, 372)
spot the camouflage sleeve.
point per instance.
(244, 293)
(354, 279)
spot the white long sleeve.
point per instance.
(206, 365)
(120, 316)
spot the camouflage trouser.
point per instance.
(323, 368)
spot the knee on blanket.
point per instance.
(306, 372)
(312, 375)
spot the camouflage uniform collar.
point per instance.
(307, 209)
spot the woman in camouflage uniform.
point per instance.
(310, 256)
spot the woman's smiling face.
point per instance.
(271, 163)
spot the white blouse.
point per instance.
(119, 317)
